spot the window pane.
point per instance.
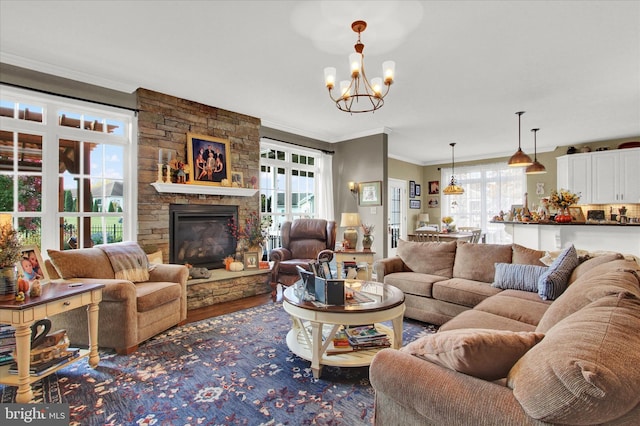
(29, 152)
(6, 150)
(30, 112)
(29, 193)
(6, 193)
(30, 229)
(6, 108)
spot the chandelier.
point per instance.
(358, 94)
(453, 188)
(519, 159)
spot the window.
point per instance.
(488, 188)
(66, 165)
(288, 185)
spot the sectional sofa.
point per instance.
(520, 343)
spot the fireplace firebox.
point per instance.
(199, 234)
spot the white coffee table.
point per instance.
(310, 322)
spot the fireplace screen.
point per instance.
(199, 234)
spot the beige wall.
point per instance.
(410, 172)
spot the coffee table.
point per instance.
(311, 323)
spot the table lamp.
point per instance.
(423, 220)
(350, 221)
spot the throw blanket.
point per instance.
(128, 260)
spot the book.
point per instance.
(41, 368)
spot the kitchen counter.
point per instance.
(592, 236)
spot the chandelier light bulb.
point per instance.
(376, 86)
(330, 77)
(389, 71)
(355, 61)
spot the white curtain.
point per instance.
(325, 187)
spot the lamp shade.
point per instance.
(423, 217)
(350, 220)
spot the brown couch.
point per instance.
(515, 359)
(139, 300)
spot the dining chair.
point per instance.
(477, 233)
(427, 235)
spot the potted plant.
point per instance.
(10, 253)
(367, 237)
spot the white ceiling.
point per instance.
(463, 68)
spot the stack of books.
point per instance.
(7, 343)
(42, 367)
(364, 337)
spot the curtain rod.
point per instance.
(324, 151)
(47, 92)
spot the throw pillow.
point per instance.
(483, 353)
(527, 256)
(518, 277)
(81, 263)
(477, 261)
(428, 258)
(554, 281)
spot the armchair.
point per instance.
(303, 241)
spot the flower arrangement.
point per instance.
(563, 198)
(447, 220)
(10, 246)
(367, 229)
(255, 230)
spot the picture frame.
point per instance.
(237, 179)
(216, 167)
(412, 189)
(414, 204)
(35, 269)
(434, 187)
(576, 214)
(433, 203)
(251, 260)
(370, 193)
(418, 190)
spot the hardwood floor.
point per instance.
(228, 307)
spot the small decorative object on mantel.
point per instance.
(449, 226)
(367, 237)
(561, 200)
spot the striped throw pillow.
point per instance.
(555, 280)
(518, 276)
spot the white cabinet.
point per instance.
(616, 176)
(606, 177)
(574, 174)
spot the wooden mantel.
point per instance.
(180, 188)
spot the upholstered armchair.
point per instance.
(303, 241)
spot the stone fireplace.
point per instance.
(199, 234)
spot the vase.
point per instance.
(8, 280)
(367, 241)
(563, 216)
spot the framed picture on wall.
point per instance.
(412, 189)
(370, 193)
(209, 159)
(433, 202)
(414, 204)
(418, 190)
(434, 187)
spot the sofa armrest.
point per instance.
(169, 272)
(388, 266)
(406, 383)
(114, 290)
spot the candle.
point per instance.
(169, 157)
(160, 156)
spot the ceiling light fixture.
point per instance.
(519, 159)
(535, 168)
(367, 95)
(453, 188)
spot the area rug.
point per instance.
(234, 369)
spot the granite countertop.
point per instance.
(590, 222)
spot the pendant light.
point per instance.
(453, 188)
(536, 168)
(519, 159)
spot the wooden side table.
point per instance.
(56, 297)
(354, 256)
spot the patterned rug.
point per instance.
(234, 369)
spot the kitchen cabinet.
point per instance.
(603, 177)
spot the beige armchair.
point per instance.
(303, 241)
(131, 311)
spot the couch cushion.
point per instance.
(150, 295)
(518, 277)
(591, 263)
(483, 353)
(554, 281)
(477, 261)
(413, 282)
(526, 256)
(611, 280)
(428, 258)
(81, 263)
(128, 260)
(480, 319)
(586, 370)
(462, 292)
(518, 305)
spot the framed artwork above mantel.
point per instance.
(209, 159)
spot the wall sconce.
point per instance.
(353, 187)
